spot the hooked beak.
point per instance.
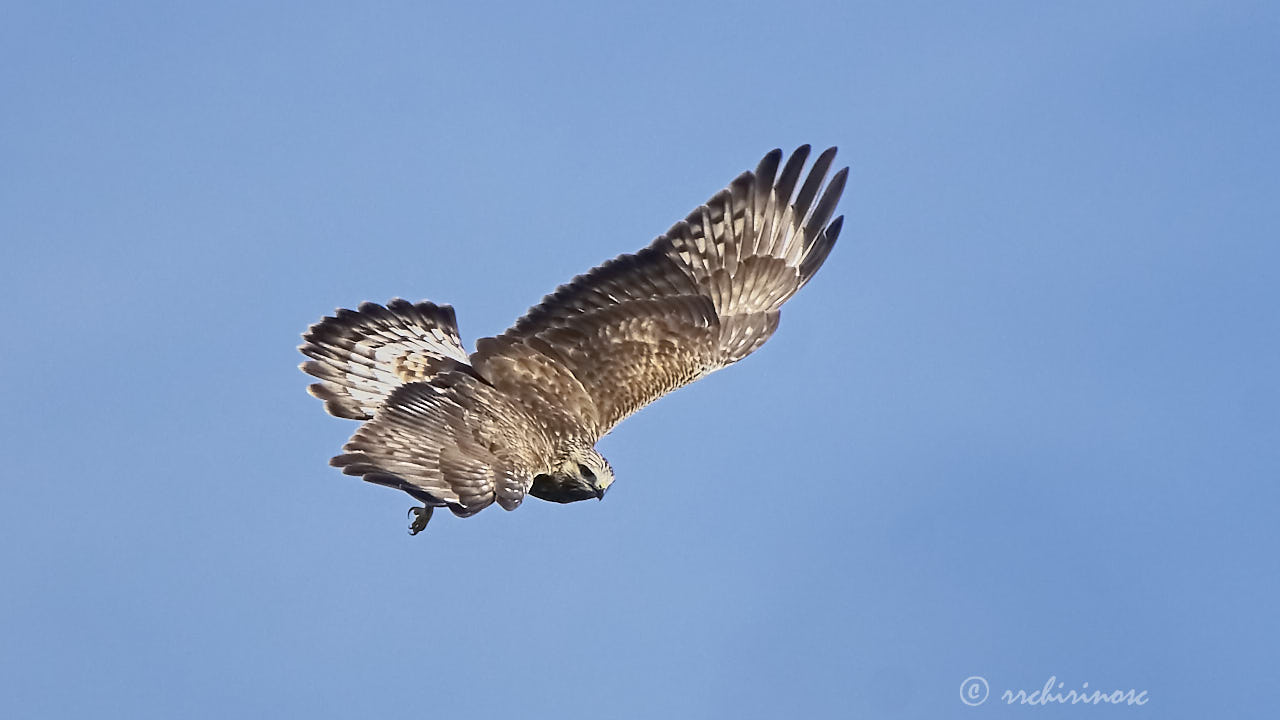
(600, 493)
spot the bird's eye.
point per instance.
(586, 472)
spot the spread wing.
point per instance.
(702, 296)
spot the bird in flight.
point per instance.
(521, 415)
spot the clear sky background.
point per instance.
(1024, 423)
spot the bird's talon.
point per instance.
(422, 516)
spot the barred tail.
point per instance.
(362, 355)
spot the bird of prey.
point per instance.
(521, 415)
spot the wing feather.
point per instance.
(628, 330)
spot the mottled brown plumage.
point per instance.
(521, 415)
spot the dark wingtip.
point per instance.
(833, 230)
(827, 204)
(818, 253)
(768, 167)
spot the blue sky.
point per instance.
(1023, 423)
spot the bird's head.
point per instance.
(582, 475)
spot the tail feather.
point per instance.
(361, 356)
